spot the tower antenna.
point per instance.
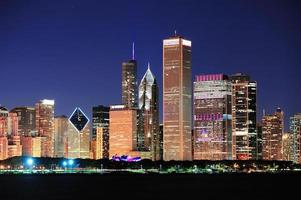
(133, 51)
(175, 32)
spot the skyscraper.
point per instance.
(177, 98)
(244, 117)
(45, 126)
(61, 125)
(149, 107)
(14, 141)
(272, 132)
(100, 134)
(286, 146)
(26, 120)
(129, 83)
(295, 138)
(123, 129)
(212, 117)
(3, 133)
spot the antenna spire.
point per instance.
(133, 51)
(148, 65)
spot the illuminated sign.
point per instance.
(171, 42)
(118, 107)
(47, 102)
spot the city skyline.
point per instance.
(265, 46)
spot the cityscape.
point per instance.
(194, 99)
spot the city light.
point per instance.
(29, 161)
(64, 163)
(71, 162)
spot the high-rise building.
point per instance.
(272, 132)
(100, 134)
(177, 98)
(295, 138)
(3, 133)
(129, 83)
(31, 146)
(286, 146)
(259, 141)
(26, 120)
(212, 117)
(123, 129)
(45, 126)
(61, 125)
(149, 118)
(244, 117)
(14, 140)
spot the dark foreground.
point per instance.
(150, 186)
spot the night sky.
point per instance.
(72, 51)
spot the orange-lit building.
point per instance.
(14, 140)
(31, 146)
(286, 146)
(45, 126)
(272, 132)
(177, 118)
(123, 130)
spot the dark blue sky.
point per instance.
(71, 51)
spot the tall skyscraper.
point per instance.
(26, 120)
(212, 117)
(149, 107)
(272, 132)
(123, 129)
(286, 146)
(61, 125)
(295, 138)
(129, 83)
(45, 126)
(259, 141)
(3, 133)
(14, 141)
(177, 99)
(100, 134)
(244, 117)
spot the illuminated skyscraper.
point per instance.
(45, 126)
(286, 146)
(61, 125)
(177, 99)
(272, 132)
(212, 117)
(14, 141)
(100, 134)
(295, 138)
(31, 146)
(129, 83)
(259, 141)
(3, 133)
(244, 117)
(123, 129)
(149, 106)
(26, 120)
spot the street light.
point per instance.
(29, 162)
(65, 163)
(71, 162)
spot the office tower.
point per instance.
(212, 117)
(149, 118)
(177, 98)
(259, 141)
(3, 133)
(272, 131)
(286, 146)
(161, 140)
(31, 146)
(45, 126)
(100, 134)
(244, 117)
(78, 135)
(295, 138)
(61, 125)
(129, 83)
(26, 120)
(123, 129)
(14, 140)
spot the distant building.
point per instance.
(286, 146)
(31, 146)
(244, 117)
(129, 83)
(3, 133)
(272, 132)
(61, 125)
(259, 141)
(123, 129)
(149, 118)
(295, 138)
(177, 98)
(45, 126)
(14, 140)
(100, 134)
(26, 120)
(212, 117)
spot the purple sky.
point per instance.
(71, 51)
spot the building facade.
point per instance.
(61, 125)
(244, 93)
(212, 118)
(45, 126)
(286, 143)
(177, 93)
(295, 138)
(26, 120)
(129, 84)
(272, 132)
(149, 108)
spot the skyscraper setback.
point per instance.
(129, 83)
(212, 117)
(244, 117)
(177, 98)
(149, 108)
